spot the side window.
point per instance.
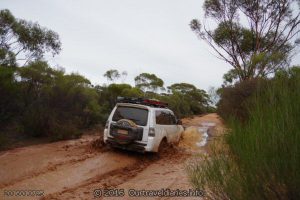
(163, 118)
(173, 119)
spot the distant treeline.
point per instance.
(42, 101)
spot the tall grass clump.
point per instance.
(262, 157)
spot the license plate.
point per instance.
(123, 132)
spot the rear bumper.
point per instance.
(134, 146)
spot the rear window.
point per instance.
(137, 115)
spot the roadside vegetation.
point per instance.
(38, 100)
(258, 156)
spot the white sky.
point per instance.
(133, 35)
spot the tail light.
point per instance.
(151, 132)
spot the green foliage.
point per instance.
(109, 94)
(146, 81)
(254, 49)
(24, 40)
(43, 101)
(184, 100)
(187, 100)
(234, 99)
(10, 95)
(47, 102)
(112, 75)
(182, 88)
(3, 141)
(178, 103)
(262, 160)
(230, 77)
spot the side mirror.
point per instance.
(179, 122)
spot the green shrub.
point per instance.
(263, 161)
(55, 104)
(3, 140)
(10, 104)
(40, 122)
(64, 130)
(233, 101)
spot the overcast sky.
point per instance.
(129, 35)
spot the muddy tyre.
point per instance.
(163, 147)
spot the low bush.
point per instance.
(233, 99)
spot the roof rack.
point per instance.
(142, 101)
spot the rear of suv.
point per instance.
(142, 125)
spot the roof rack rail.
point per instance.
(142, 101)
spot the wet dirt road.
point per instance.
(74, 169)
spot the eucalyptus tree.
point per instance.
(24, 41)
(256, 37)
(148, 82)
(112, 75)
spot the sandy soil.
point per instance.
(74, 169)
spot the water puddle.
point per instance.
(204, 129)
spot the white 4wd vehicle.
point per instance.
(142, 125)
